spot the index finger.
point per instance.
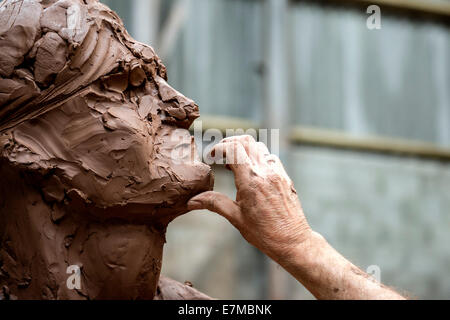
(235, 156)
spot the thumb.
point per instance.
(216, 202)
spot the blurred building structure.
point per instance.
(364, 119)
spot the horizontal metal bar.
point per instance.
(436, 8)
(342, 140)
(338, 139)
(223, 123)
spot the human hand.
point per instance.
(267, 211)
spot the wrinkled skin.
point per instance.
(94, 147)
(268, 214)
(267, 210)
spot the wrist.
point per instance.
(302, 255)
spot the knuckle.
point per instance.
(247, 138)
(275, 158)
(273, 177)
(253, 150)
(233, 147)
(250, 138)
(261, 144)
(229, 147)
(257, 182)
(271, 159)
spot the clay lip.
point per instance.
(159, 215)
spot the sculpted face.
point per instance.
(90, 103)
(96, 158)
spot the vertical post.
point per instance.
(172, 28)
(145, 22)
(276, 107)
(276, 82)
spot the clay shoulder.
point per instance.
(169, 289)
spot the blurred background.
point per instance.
(364, 119)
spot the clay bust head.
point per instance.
(89, 131)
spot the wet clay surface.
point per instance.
(90, 133)
(169, 289)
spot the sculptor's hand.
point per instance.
(267, 211)
(268, 214)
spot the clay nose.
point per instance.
(178, 109)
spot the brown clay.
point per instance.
(88, 129)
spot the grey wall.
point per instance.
(219, 58)
(381, 210)
(392, 82)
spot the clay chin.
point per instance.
(88, 132)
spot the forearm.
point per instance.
(328, 275)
